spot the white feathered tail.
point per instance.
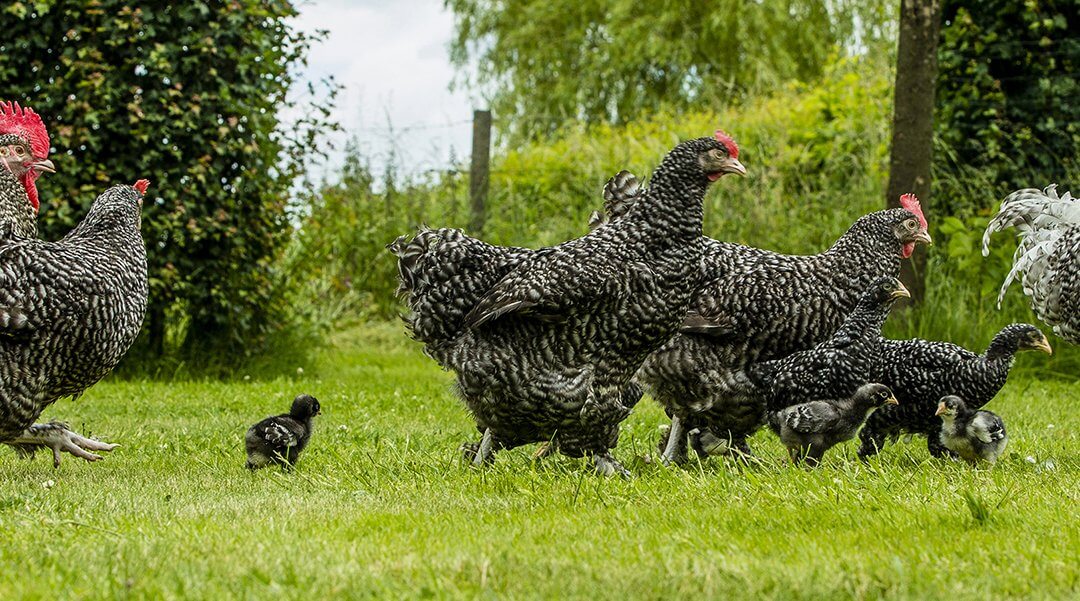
(1047, 260)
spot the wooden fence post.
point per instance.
(479, 170)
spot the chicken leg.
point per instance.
(56, 436)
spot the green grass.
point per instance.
(380, 506)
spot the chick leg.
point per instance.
(56, 436)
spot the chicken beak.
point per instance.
(1044, 346)
(732, 165)
(940, 409)
(892, 400)
(924, 237)
(44, 165)
(901, 292)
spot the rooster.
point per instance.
(69, 310)
(546, 351)
(758, 305)
(24, 152)
(1047, 260)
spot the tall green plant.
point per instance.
(544, 63)
(187, 94)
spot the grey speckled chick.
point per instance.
(281, 438)
(810, 429)
(973, 435)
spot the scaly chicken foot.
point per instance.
(675, 449)
(480, 453)
(607, 466)
(57, 436)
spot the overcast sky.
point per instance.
(392, 60)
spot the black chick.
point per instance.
(973, 435)
(281, 438)
(810, 429)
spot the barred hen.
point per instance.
(24, 151)
(759, 305)
(973, 435)
(1047, 261)
(809, 429)
(921, 372)
(836, 368)
(280, 439)
(546, 351)
(69, 310)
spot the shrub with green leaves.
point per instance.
(188, 95)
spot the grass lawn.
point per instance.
(381, 507)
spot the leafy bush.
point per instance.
(188, 95)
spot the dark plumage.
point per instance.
(835, 368)
(547, 350)
(280, 439)
(973, 435)
(1047, 260)
(69, 310)
(757, 305)
(921, 372)
(810, 429)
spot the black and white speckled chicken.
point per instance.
(280, 439)
(69, 310)
(809, 429)
(24, 152)
(921, 372)
(758, 305)
(548, 351)
(1047, 261)
(973, 435)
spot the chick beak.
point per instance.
(44, 165)
(892, 400)
(940, 409)
(924, 237)
(1044, 346)
(901, 292)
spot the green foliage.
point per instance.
(1007, 88)
(380, 506)
(545, 63)
(188, 95)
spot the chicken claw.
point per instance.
(606, 466)
(56, 436)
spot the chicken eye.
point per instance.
(4, 150)
(19, 150)
(911, 224)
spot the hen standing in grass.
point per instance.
(810, 429)
(921, 372)
(973, 435)
(547, 350)
(24, 151)
(1048, 257)
(758, 305)
(69, 310)
(280, 439)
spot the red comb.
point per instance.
(141, 186)
(24, 122)
(911, 202)
(732, 147)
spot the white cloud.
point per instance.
(391, 57)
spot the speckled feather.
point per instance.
(18, 217)
(921, 372)
(809, 429)
(973, 435)
(548, 348)
(758, 305)
(836, 368)
(69, 309)
(1047, 260)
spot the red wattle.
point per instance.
(908, 249)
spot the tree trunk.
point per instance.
(913, 120)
